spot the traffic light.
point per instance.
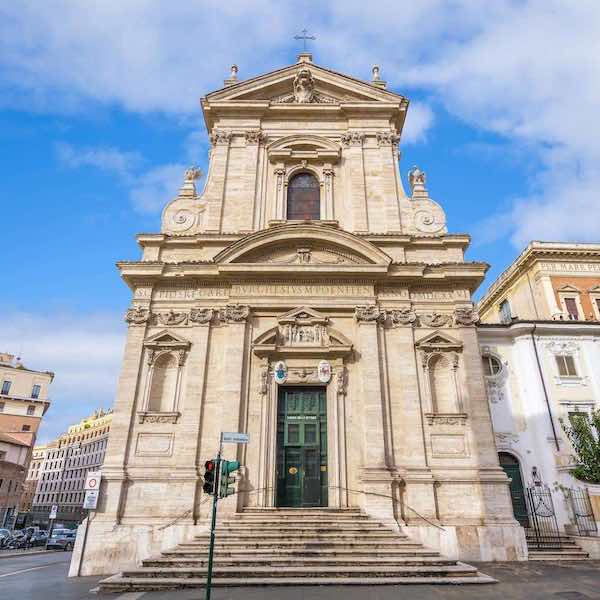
(210, 473)
(226, 482)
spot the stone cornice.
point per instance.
(522, 328)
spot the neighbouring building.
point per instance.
(37, 460)
(540, 341)
(305, 298)
(62, 466)
(23, 402)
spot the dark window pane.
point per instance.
(303, 198)
(310, 433)
(293, 433)
(571, 305)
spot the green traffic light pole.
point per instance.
(213, 523)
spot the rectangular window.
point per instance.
(566, 365)
(505, 312)
(598, 305)
(26, 428)
(31, 410)
(5, 387)
(571, 306)
(35, 392)
(1, 406)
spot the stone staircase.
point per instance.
(553, 547)
(296, 547)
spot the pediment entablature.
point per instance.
(307, 147)
(167, 340)
(569, 288)
(303, 315)
(595, 289)
(329, 85)
(297, 245)
(302, 332)
(439, 342)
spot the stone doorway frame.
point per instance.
(304, 373)
(302, 360)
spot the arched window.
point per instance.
(491, 365)
(164, 382)
(303, 198)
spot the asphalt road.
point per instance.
(44, 577)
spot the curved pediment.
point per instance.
(303, 244)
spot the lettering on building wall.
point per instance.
(570, 267)
(284, 289)
(190, 292)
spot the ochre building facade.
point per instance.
(304, 298)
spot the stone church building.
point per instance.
(306, 298)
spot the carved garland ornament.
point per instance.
(137, 315)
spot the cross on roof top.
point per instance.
(304, 37)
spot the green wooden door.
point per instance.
(511, 467)
(302, 447)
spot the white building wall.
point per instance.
(520, 413)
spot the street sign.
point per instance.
(91, 499)
(53, 511)
(92, 480)
(234, 438)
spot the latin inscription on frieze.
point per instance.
(570, 267)
(190, 292)
(300, 289)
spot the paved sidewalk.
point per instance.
(28, 552)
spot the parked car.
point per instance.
(5, 536)
(61, 539)
(39, 538)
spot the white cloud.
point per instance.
(152, 190)
(84, 351)
(105, 158)
(418, 121)
(528, 70)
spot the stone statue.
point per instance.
(304, 87)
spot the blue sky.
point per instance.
(99, 115)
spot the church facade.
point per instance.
(303, 297)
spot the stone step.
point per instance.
(251, 572)
(558, 555)
(304, 535)
(308, 544)
(116, 583)
(416, 550)
(305, 561)
(309, 525)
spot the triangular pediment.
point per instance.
(167, 339)
(438, 341)
(329, 86)
(569, 288)
(303, 314)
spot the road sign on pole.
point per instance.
(91, 499)
(230, 437)
(53, 511)
(92, 480)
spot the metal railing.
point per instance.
(581, 508)
(543, 532)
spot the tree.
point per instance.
(584, 434)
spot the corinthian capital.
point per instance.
(369, 314)
(235, 313)
(218, 137)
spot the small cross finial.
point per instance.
(304, 37)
